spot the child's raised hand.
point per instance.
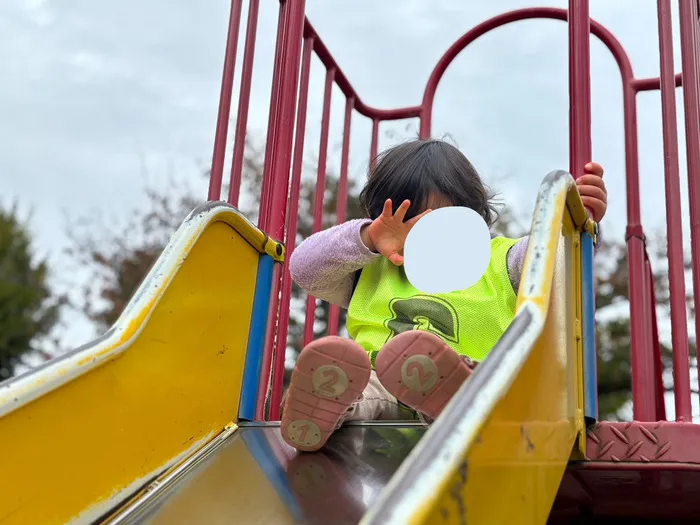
(387, 233)
(593, 191)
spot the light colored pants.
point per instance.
(376, 403)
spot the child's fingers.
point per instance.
(401, 211)
(396, 259)
(594, 192)
(388, 208)
(596, 206)
(594, 168)
(415, 219)
(590, 180)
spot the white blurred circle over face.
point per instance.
(447, 250)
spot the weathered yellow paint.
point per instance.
(177, 384)
(576, 320)
(541, 298)
(219, 493)
(512, 472)
(253, 235)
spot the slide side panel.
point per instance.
(155, 388)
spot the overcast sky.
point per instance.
(97, 97)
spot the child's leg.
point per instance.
(329, 377)
(422, 371)
(377, 403)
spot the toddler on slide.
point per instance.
(408, 351)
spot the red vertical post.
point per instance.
(641, 300)
(579, 25)
(690, 56)
(282, 159)
(660, 404)
(320, 191)
(217, 161)
(374, 145)
(640, 296)
(239, 141)
(265, 193)
(273, 117)
(652, 341)
(579, 86)
(342, 206)
(292, 219)
(278, 160)
(650, 344)
(426, 125)
(676, 270)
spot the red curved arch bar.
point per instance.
(343, 83)
(641, 312)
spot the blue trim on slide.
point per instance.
(257, 444)
(256, 338)
(590, 374)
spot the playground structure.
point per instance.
(171, 416)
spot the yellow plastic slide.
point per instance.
(147, 423)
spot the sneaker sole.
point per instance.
(329, 376)
(421, 371)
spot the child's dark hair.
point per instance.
(419, 169)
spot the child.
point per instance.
(408, 349)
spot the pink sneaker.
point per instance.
(330, 375)
(421, 371)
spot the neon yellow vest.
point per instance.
(471, 321)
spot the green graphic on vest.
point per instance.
(424, 312)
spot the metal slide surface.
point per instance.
(253, 477)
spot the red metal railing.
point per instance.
(676, 267)
(690, 57)
(285, 143)
(217, 163)
(334, 77)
